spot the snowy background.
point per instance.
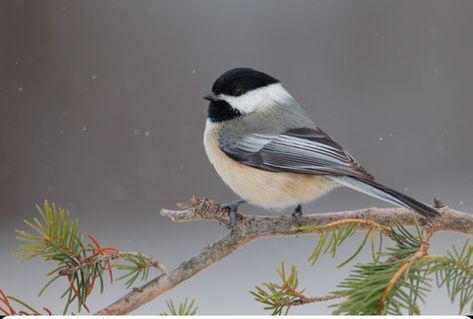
(101, 111)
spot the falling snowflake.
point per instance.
(153, 9)
(147, 133)
(137, 132)
(20, 88)
(84, 128)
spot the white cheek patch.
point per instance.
(258, 99)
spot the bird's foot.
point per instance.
(232, 209)
(297, 214)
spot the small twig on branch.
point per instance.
(305, 300)
(302, 299)
(250, 228)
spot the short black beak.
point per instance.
(210, 97)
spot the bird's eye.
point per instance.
(237, 91)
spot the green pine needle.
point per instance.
(185, 308)
(279, 297)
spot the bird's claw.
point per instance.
(231, 209)
(297, 214)
(233, 219)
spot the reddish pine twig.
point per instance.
(4, 300)
(102, 251)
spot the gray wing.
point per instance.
(301, 150)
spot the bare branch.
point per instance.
(250, 228)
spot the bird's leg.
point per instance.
(297, 214)
(232, 208)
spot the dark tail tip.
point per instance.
(401, 199)
(420, 208)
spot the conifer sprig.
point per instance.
(279, 298)
(398, 278)
(185, 308)
(82, 260)
(454, 272)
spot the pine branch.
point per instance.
(391, 286)
(420, 246)
(83, 260)
(281, 297)
(251, 228)
(56, 237)
(385, 277)
(402, 279)
(454, 272)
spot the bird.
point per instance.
(272, 155)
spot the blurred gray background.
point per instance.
(101, 111)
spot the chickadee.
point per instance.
(263, 145)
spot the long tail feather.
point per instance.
(387, 194)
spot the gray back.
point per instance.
(274, 120)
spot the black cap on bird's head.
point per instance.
(238, 81)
